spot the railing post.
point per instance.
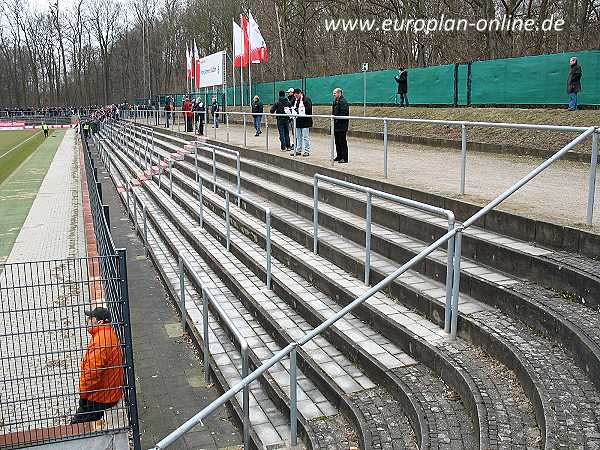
(244, 118)
(206, 336)
(293, 399)
(268, 245)
(332, 143)
(245, 398)
(201, 201)
(239, 183)
(135, 224)
(182, 292)
(449, 277)
(160, 170)
(196, 161)
(385, 148)
(368, 239)
(267, 131)
(215, 122)
(316, 215)
(456, 283)
(227, 125)
(592, 181)
(227, 225)
(106, 212)
(214, 168)
(145, 215)
(463, 158)
(171, 178)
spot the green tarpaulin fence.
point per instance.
(527, 80)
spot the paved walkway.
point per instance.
(558, 195)
(17, 194)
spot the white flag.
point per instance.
(258, 46)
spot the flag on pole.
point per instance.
(246, 41)
(258, 46)
(238, 45)
(196, 67)
(188, 58)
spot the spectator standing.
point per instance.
(200, 111)
(101, 379)
(573, 83)
(402, 80)
(340, 107)
(302, 108)
(214, 109)
(45, 128)
(257, 110)
(169, 107)
(292, 100)
(282, 106)
(189, 115)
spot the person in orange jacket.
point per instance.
(102, 376)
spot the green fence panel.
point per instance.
(462, 75)
(431, 85)
(540, 79)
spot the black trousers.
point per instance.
(341, 145)
(403, 98)
(90, 411)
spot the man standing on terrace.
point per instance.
(573, 83)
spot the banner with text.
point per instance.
(212, 70)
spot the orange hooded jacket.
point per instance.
(101, 378)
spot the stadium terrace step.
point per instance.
(381, 429)
(521, 355)
(548, 310)
(501, 401)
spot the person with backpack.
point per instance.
(282, 106)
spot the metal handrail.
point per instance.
(463, 124)
(223, 151)
(448, 214)
(456, 232)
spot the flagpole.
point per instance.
(242, 67)
(233, 65)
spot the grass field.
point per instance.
(15, 147)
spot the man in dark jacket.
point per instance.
(257, 110)
(573, 83)
(402, 80)
(302, 108)
(340, 126)
(199, 113)
(214, 109)
(282, 106)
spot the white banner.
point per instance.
(212, 72)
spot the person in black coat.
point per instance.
(301, 109)
(257, 110)
(402, 80)
(199, 113)
(340, 107)
(573, 83)
(282, 106)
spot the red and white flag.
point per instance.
(238, 45)
(196, 67)
(258, 46)
(188, 58)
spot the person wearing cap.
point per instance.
(102, 376)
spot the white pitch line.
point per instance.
(19, 144)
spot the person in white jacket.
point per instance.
(301, 109)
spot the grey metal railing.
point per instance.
(464, 125)
(290, 349)
(446, 213)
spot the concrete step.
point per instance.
(541, 308)
(523, 351)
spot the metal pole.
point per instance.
(316, 216)
(244, 117)
(267, 131)
(245, 397)
(463, 158)
(268, 245)
(206, 336)
(293, 399)
(332, 141)
(145, 215)
(449, 278)
(227, 123)
(214, 169)
(385, 148)
(456, 283)
(239, 183)
(364, 93)
(196, 162)
(182, 292)
(368, 239)
(171, 178)
(227, 217)
(592, 182)
(201, 201)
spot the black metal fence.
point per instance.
(44, 337)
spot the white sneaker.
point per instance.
(294, 153)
